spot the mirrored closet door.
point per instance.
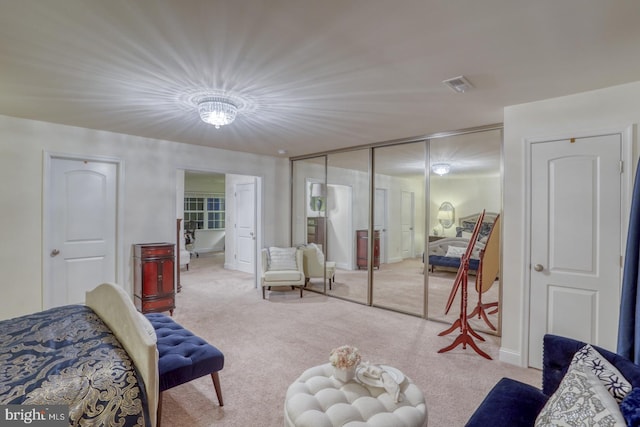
(399, 227)
(392, 221)
(465, 179)
(309, 209)
(348, 223)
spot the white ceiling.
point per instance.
(314, 75)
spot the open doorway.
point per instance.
(219, 219)
(204, 213)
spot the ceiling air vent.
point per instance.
(458, 84)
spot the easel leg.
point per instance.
(464, 340)
(480, 310)
(466, 332)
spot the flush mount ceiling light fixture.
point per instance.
(441, 168)
(458, 84)
(217, 110)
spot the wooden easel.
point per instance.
(487, 272)
(461, 281)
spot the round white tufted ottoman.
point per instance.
(317, 399)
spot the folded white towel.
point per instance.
(391, 386)
(388, 382)
(372, 371)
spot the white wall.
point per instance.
(395, 186)
(202, 182)
(468, 195)
(209, 241)
(149, 185)
(606, 109)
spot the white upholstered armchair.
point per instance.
(315, 265)
(282, 267)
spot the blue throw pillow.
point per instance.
(630, 407)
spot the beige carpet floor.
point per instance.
(400, 286)
(268, 343)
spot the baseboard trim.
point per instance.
(510, 356)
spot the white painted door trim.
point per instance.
(251, 267)
(48, 158)
(411, 210)
(626, 134)
(259, 186)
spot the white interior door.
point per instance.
(407, 227)
(380, 221)
(245, 226)
(340, 244)
(575, 241)
(80, 229)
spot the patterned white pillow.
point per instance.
(612, 379)
(455, 251)
(282, 259)
(580, 400)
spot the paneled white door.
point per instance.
(407, 215)
(576, 237)
(245, 227)
(340, 244)
(80, 229)
(380, 221)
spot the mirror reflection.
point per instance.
(399, 222)
(348, 222)
(468, 185)
(309, 212)
(419, 234)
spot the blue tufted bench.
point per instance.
(183, 356)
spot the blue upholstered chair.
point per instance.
(511, 403)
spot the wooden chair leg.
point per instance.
(216, 385)
(159, 413)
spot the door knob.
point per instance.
(54, 253)
(538, 267)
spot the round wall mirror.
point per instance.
(446, 215)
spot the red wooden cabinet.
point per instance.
(153, 283)
(315, 230)
(362, 248)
